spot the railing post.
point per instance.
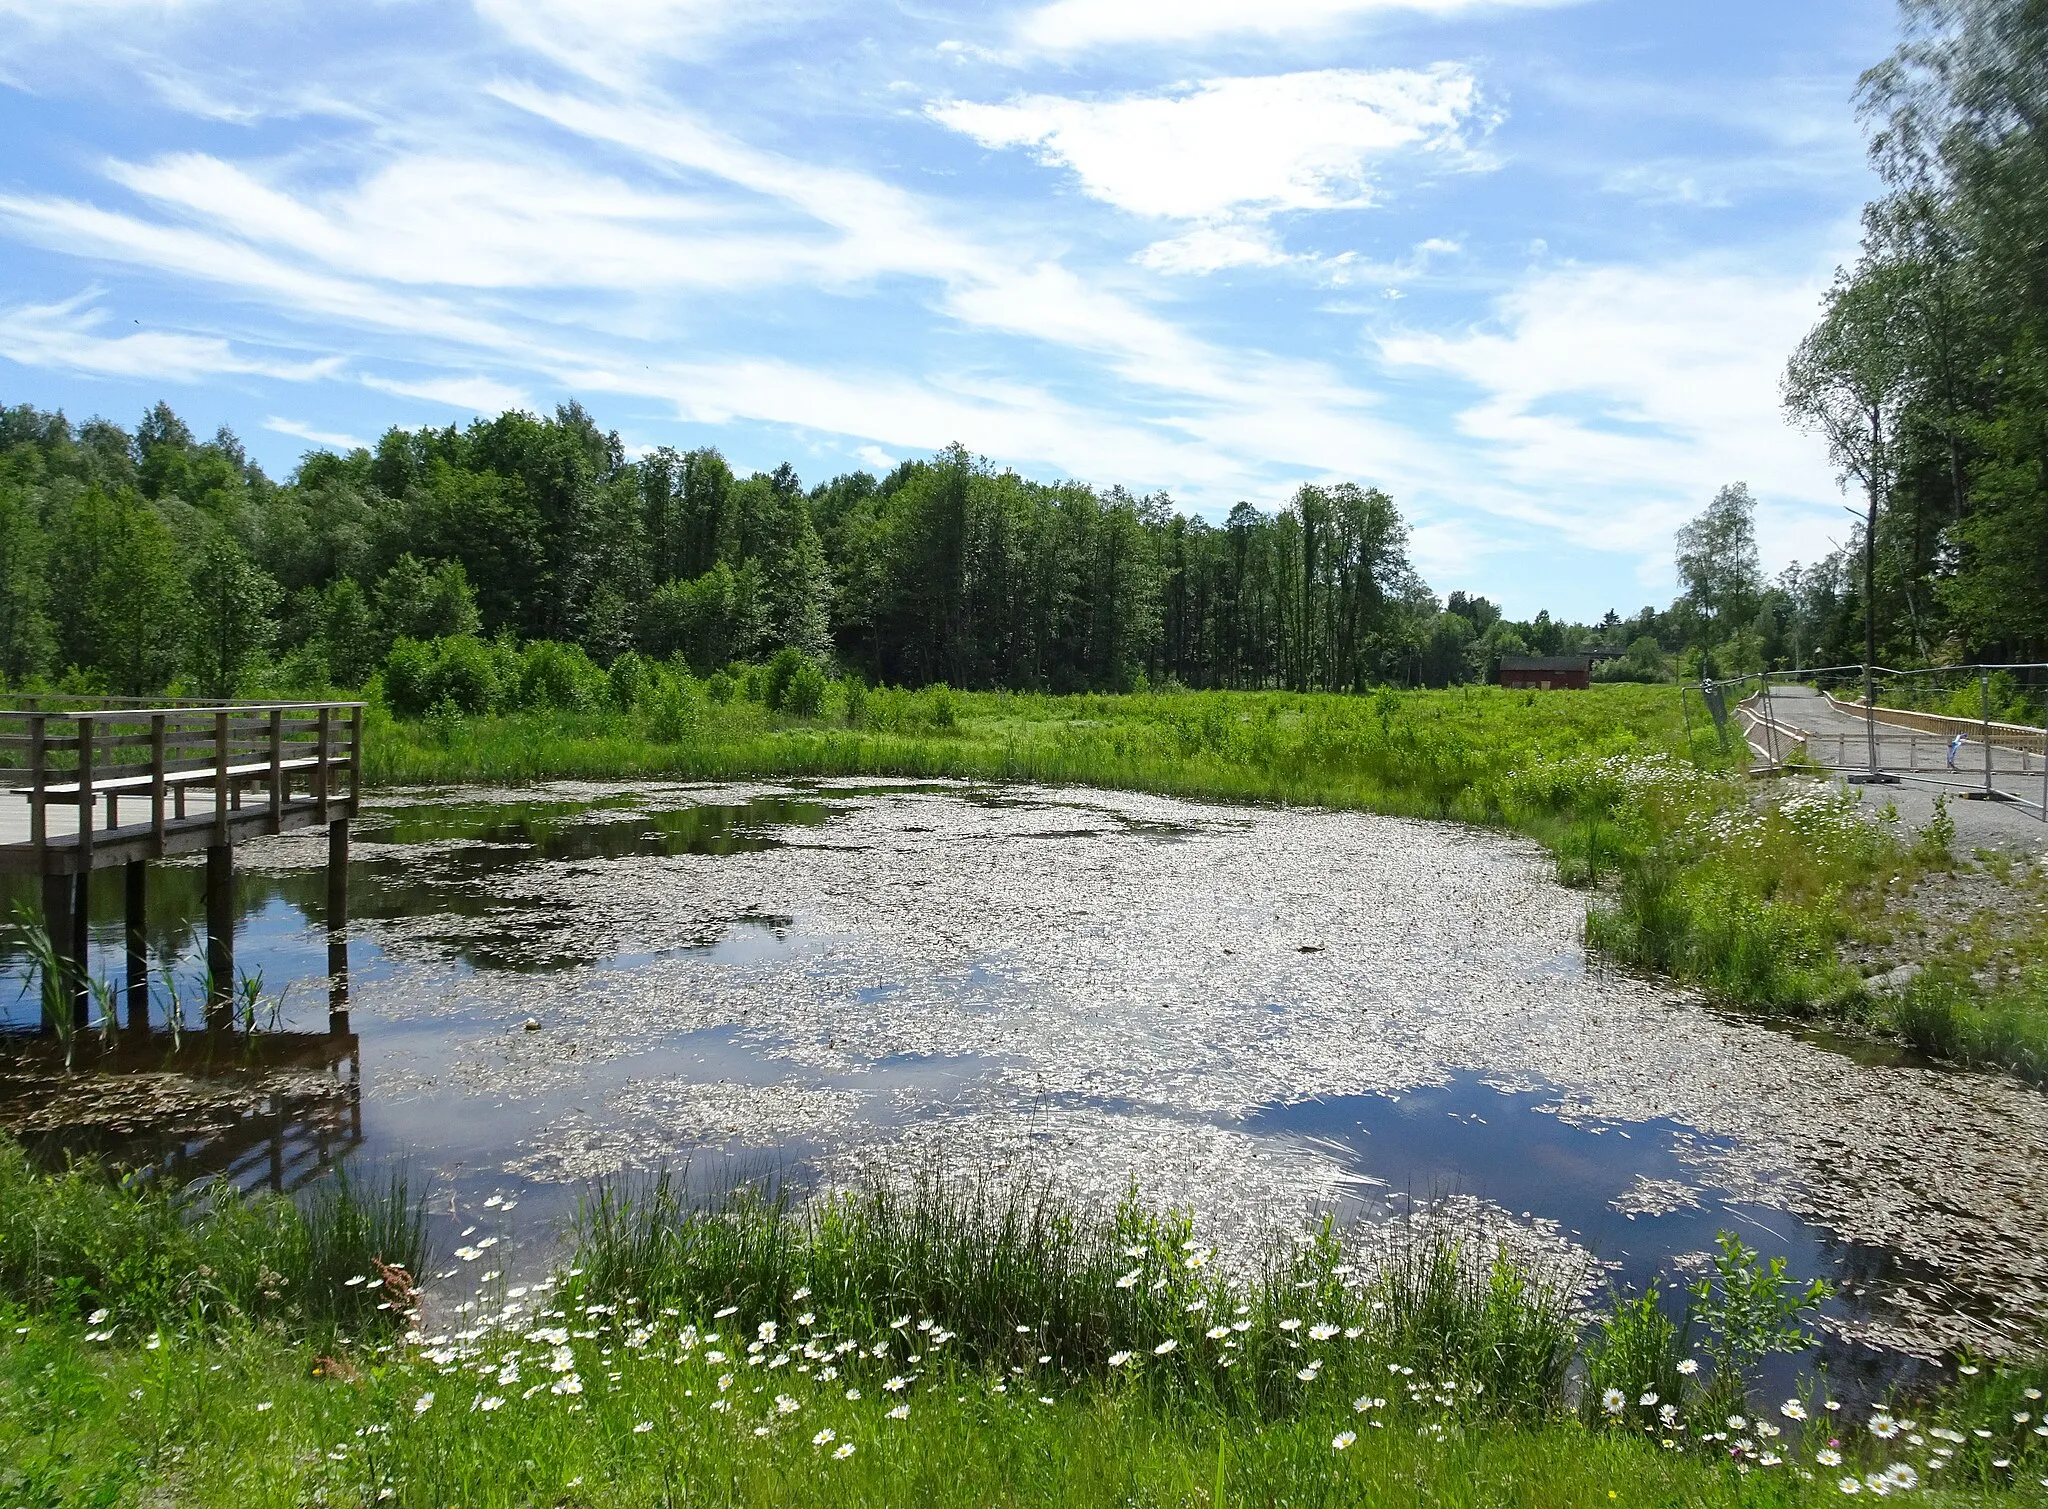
(38, 760)
(220, 777)
(320, 764)
(156, 783)
(355, 760)
(1984, 680)
(85, 792)
(277, 770)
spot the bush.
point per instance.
(673, 706)
(855, 691)
(942, 708)
(461, 671)
(560, 677)
(805, 695)
(782, 670)
(626, 681)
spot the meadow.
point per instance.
(1746, 889)
(941, 1340)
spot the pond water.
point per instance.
(1256, 1012)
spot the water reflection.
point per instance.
(265, 1110)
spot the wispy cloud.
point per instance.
(302, 431)
(477, 395)
(73, 336)
(1224, 146)
(1072, 25)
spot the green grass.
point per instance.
(676, 1359)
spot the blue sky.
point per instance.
(1532, 266)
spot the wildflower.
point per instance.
(724, 1382)
(2032, 1393)
(1668, 1414)
(760, 1430)
(845, 1450)
(98, 1317)
(1736, 1422)
(853, 1395)
(899, 1383)
(1969, 1370)
(728, 1310)
(491, 1404)
(1129, 1280)
(1827, 1456)
(1217, 1333)
(1118, 1359)
(806, 1319)
(1614, 1401)
(1343, 1440)
(1850, 1485)
(1900, 1475)
(1352, 1333)
(1164, 1347)
(1883, 1426)
(766, 1331)
(825, 1437)
(784, 1405)
(1307, 1375)
(1792, 1409)
(1290, 1324)
(643, 1427)
(1689, 1367)
(569, 1385)
(265, 1405)
(1197, 1259)
(721, 1405)
(899, 1322)
(156, 1339)
(1649, 1398)
(1322, 1331)
(1045, 1398)
(802, 1292)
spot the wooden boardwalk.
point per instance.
(96, 783)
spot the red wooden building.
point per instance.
(1547, 673)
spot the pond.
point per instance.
(1256, 1012)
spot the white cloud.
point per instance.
(477, 395)
(302, 431)
(876, 458)
(67, 336)
(1212, 248)
(1295, 141)
(613, 40)
(1071, 25)
(1601, 383)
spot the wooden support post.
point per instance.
(85, 794)
(57, 923)
(337, 925)
(38, 759)
(355, 760)
(156, 784)
(138, 947)
(277, 770)
(220, 934)
(81, 948)
(220, 779)
(326, 745)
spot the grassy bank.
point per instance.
(1750, 890)
(950, 1343)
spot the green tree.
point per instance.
(25, 638)
(1718, 566)
(232, 623)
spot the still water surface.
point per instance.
(1260, 1013)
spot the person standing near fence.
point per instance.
(1955, 747)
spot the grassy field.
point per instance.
(942, 1344)
(1750, 890)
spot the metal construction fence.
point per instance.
(1978, 731)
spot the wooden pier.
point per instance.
(186, 776)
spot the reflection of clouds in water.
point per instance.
(1126, 995)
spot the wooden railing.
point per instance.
(85, 760)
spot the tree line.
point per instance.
(139, 561)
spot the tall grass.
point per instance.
(83, 1242)
(1014, 1276)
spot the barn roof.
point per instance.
(1546, 662)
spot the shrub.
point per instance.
(805, 694)
(461, 671)
(780, 671)
(560, 677)
(942, 709)
(673, 706)
(626, 681)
